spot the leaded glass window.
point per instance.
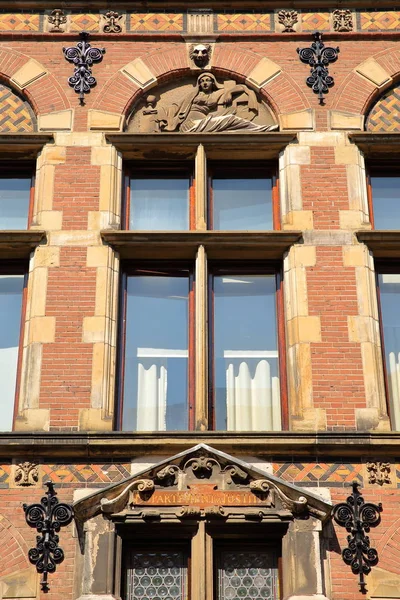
(156, 575)
(247, 575)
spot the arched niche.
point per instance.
(384, 116)
(189, 106)
(16, 114)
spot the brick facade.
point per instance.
(338, 416)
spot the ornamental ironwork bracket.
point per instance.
(47, 517)
(357, 517)
(83, 56)
(319, 57)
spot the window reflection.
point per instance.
(247, 396)
(159, 204)
(386, 199)
(14, 202)
(156, 355)
(11, 287)
(242, 203)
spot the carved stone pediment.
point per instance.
(201, 105)
(203, 483)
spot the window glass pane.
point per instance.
(11, 287)
(386, 200)
(157, 575)
(156, 355)
(242, 203)
(14, 202)
(389, 285)
(159, 204)
(247, 575)
(246, 353)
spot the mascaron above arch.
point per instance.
(203, 483)
(205, 105)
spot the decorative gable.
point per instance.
(203, 483)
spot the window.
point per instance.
(201, 316)
(389, 298)
(12, 292)
(384, 196)
(16, 194)
(237, 569)
(162, 343)
(164, 199)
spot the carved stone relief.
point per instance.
(342, 19)
(204, 106)
(288, 19)
(26, 473)
(200, 54)
(378, 472)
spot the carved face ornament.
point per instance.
(200, 55)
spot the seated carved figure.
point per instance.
(212, 107)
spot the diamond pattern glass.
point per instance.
(156, 575)
(247, 576)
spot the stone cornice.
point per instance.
(127, 445)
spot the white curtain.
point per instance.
(252, 391)
(394, 387)
(8, 374)
(152, 387)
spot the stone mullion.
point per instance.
(201, 341)
(198, 561)
(201, 189)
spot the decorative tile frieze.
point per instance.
(245, 22)
(156, 22)
(315, 21)
(201, 21)
(92, 475)
(5, 475)
(319, 474)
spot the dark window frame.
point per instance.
(156, 170)
(237, 268)
(18, 267)
(256, 169)
(173, 268)
(379, 168)
(21, 169)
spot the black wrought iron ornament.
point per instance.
(319, 57)
(48, 517)
(357, 517)
(83, 56)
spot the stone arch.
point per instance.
(14, 556)
(367, 82)
(127, 86)
(30, 78)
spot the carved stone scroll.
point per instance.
(116, 504)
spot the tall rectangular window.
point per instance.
(245, 353)
(11, 294)
(389, 293)
(15, 199)
(156, 350)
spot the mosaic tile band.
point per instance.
(176, 22)
(307, 474)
